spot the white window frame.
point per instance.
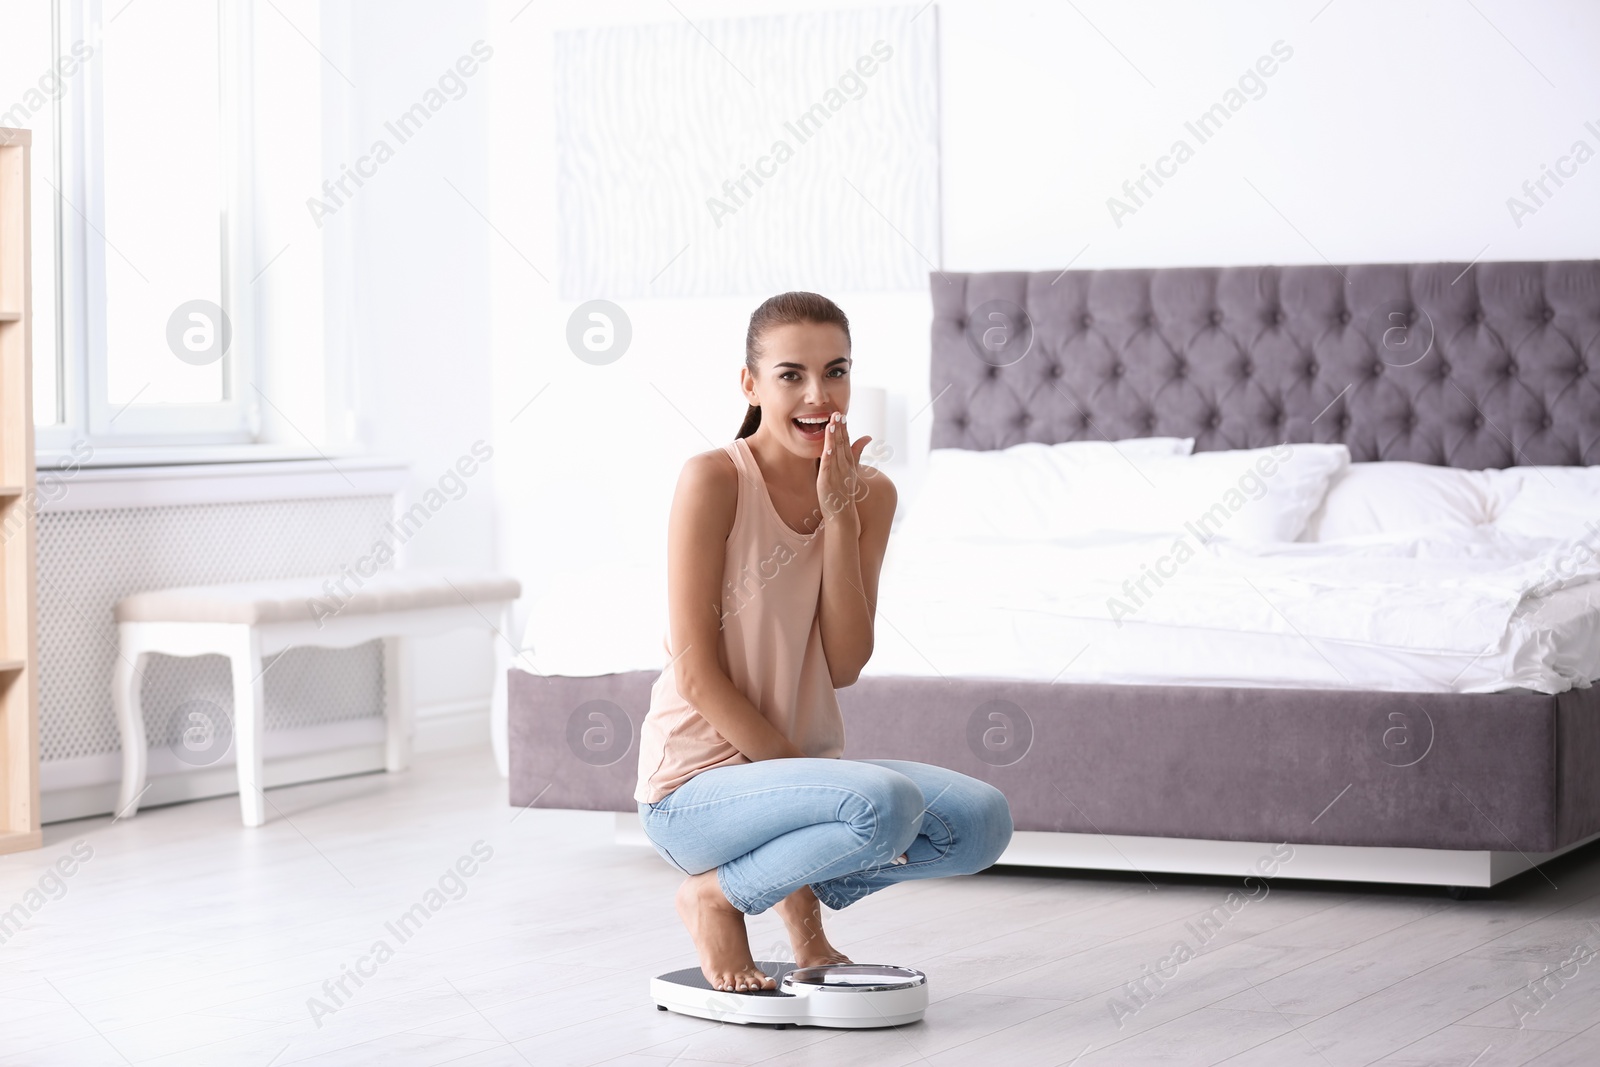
(86, 414)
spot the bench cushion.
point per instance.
(314, 598)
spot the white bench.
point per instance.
(248, 621)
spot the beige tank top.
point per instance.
(771, 638)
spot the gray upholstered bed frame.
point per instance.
(1491, 365)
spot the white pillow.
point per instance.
(1554, 502)
(1262, 494)
(1250, 494)
(1128, 447)
(1398, 496)
(1010, 492)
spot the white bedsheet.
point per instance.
(1466, 611)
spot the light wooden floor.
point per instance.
(186, 939)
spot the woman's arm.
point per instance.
(855, 538)
(697, 536)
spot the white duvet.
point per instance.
(1464, 611)
(1454, 592)
(1475, 610)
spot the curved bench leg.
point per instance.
(126, 700)
(249, 727)
(397, 707)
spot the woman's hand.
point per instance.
(839, 479)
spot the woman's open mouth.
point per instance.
(811, 427)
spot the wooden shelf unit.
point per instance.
(19, 641)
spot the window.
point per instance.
(182, 294)
(33, 77)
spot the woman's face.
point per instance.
(803, 376)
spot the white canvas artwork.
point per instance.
(749, 156)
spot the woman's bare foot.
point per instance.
(717, 928)
(802, 916)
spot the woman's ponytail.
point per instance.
(752, 420)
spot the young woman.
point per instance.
(773, 551)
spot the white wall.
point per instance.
(410, 299)
(1392, 133)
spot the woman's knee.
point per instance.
(890, 813)
(990, 830)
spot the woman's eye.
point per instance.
(790, 376)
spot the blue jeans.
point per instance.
(837, 825)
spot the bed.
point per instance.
(1410, 707)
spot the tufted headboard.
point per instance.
(1486, 365)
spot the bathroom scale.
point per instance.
(854, 996)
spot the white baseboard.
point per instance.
(88, 786)
(86, 801)
(462, 724)
(1178, 855)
